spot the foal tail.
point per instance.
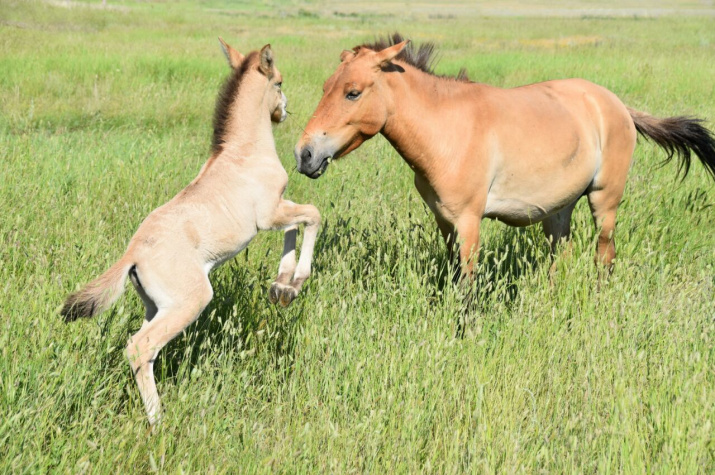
(99, 294)
(678, 136)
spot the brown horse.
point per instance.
(521, 155)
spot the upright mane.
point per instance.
(226, 97)
(422, 57)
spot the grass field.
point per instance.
(106, 113)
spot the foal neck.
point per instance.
(248, 131)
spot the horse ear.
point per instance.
(346, 54)
(266, 65)
(234, 57)
(388, 54)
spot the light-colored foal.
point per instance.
(238, 192)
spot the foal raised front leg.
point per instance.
(289, 215)
(287, 266)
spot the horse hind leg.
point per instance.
(607, 187)
(604, 196)
(557, 229)
(604, 204)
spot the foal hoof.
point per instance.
(274, 293)
(282, 294)
(289, 293)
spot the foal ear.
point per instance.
(388, 54)
(266, 65)
(347, 53)
(234, 57)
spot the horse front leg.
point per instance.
(449, 235)
(468, 233)
(289, 215)
(446, 227)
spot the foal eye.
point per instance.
(353, 95)
(279, 84)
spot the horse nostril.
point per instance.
(306, 155)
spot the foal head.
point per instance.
(354, 107)
(255, 73)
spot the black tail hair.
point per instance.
(678, 136)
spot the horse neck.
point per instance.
(421, 125)
(248, 130)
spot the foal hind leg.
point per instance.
(557, 229)
(149, 305)
(177, 308)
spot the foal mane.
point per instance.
(422, 57)
(226, 97)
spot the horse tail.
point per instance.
(678, 136)
(99, 294)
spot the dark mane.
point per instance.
(422, 57)
(226, 97)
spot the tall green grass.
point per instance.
(106, 114)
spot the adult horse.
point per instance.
(521, 155)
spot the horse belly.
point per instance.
(529, 198)
(514, 212)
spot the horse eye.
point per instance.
(279, 84)
(353, 95)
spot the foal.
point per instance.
(238, 191)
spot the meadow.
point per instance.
(106, 113)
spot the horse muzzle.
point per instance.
(311, 162)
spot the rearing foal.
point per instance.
(238, 192)
(520, 155)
